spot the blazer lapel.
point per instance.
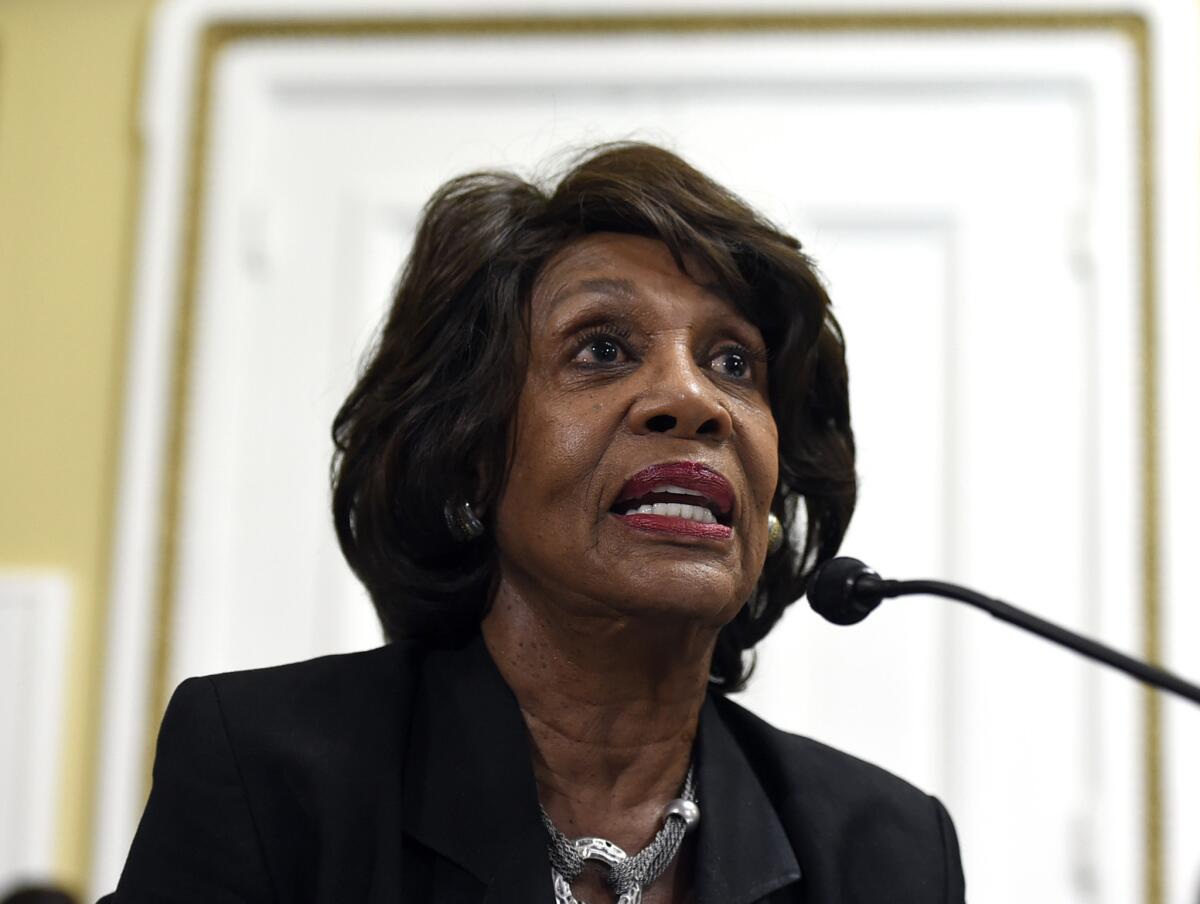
(743, 852)
(469, 791)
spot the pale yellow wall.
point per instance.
(68, 189)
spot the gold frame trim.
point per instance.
(220, 35)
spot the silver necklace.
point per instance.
(627, 876)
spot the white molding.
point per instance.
(34, 607)
(191, 11)
(165, 118)
(1175, 46)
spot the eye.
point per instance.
(603, 351)
(732, 362)
(602, 347)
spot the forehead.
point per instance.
(631, 268)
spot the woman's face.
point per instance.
(645, 452)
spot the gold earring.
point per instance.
(774, 534)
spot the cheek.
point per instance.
(567, 443)
(557, 445)
(760, 458)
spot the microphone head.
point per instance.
(834, 591)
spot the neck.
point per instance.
(611, 703)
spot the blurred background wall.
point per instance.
(68, 192)
(203, 205)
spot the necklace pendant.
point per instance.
(564, 895)
(628, 875)
(562, 889)
(601, 850)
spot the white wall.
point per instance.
(33, 653)
(974, 202)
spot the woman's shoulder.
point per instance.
(351, 701)
(800, 766)
(859, 832)
(257, 771)
(335, 675)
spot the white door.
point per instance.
(962, 192)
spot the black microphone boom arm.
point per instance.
(874, 588)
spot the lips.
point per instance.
(683, 498)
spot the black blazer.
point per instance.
(403, 775)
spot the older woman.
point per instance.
(602, 441)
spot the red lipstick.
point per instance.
(684, 498)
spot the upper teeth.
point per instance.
(679, 510)
(670, 488)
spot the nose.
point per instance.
(680, 400)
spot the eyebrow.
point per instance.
(619, 287)
(614, 286)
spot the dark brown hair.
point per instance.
(431, 412)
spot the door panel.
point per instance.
(958, 192)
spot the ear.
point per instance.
(491, 477)
(482, 490)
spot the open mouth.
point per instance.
(674, 502)
(680, 497)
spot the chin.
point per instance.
(683, 594)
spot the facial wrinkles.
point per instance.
(570, 429)
(671, 353)
(578, 446)
(670, 359)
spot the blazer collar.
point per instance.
(743, 852)
(469, 792)
(470, 795)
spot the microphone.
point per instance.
(845, 591)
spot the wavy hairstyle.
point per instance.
(429, 417)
